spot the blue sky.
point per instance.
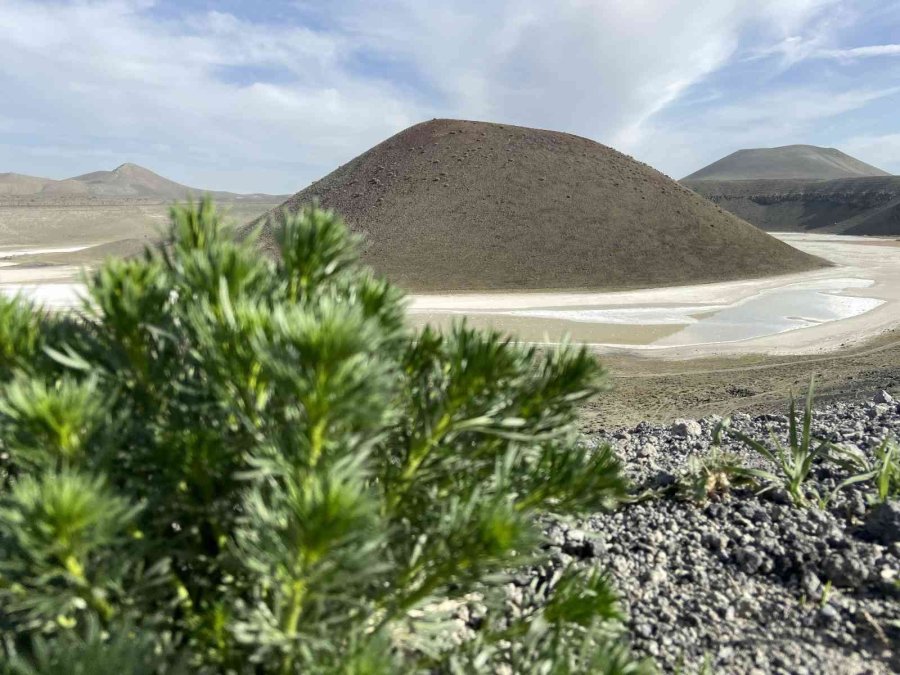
(268, 96)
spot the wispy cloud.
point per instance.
(787, 116)
(859, 52)
(796, 49)
(881, 150)
(791, 108)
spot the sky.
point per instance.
(269, 96)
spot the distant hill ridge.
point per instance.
(807, 162)
(456, 205)
(128, 181)
(858, 206)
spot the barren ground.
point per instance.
(659, 391)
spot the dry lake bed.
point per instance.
(856, 299)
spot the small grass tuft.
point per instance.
(713, 474)
(884, 472)
(793, 462)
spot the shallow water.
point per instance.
(50, 287)
(778, 311)
(767, 313)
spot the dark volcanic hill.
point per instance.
(862, 206)
(454, 205)
(806, 162)
(126, 182)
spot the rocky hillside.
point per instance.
(861, 206)
(455, 205)
(807, 162)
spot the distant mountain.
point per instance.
(806, 162)
(455, 205)
(128, 181)
(17, 184)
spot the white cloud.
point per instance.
(601, 69)
(101, 73)
(790, 109)
(882, 151)
(104, 78)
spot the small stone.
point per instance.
(829, 615)
(575, 536)
(846, 571)
(658, 576)
(883, 397)
(644, 630)
(648, 450)
(686, 428)
(715, 541)
(748, 559)
(747, 606)
(811, 584)
(878, 410)
(856, 505)
(883, 523)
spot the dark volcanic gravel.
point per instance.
(750, 583)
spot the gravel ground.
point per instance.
(748, 583)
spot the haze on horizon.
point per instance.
(266, 97)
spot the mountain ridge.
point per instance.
(858, 206)
(126, 181)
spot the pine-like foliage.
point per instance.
(231, 464)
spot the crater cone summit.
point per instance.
(452, 205)
(808, 162)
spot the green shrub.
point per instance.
(231, 464)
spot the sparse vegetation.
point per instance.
(887, 471)
(797, 460)
(793, 462)
(883, 472)
(231, 464)
(713, 474)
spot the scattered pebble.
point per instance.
(749, 582)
